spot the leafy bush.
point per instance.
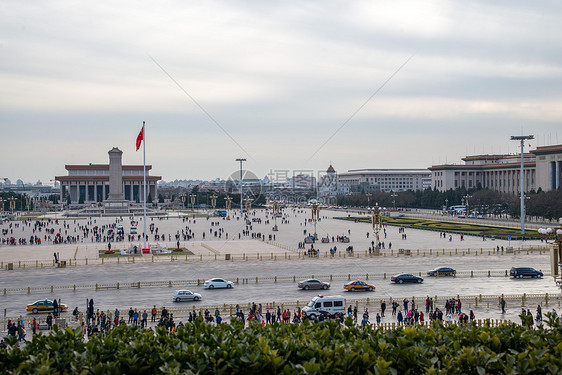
(324, 348)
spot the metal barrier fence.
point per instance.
(468, 302)
(244, 280)
(291, 254)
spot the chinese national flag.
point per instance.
(140, 137)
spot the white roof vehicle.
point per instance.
(324, 305)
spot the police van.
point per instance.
(324, 305)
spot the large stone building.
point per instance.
(502, 172)
(90, 183)
(387, 180)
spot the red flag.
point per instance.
(140, 137)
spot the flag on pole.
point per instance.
(140, 137)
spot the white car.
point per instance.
(218, 283)
(186, 295)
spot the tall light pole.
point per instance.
(227, 202)
(522, 138)
(213, 201)
(241, 160)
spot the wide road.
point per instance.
(264, 292)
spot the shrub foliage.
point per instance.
(325, 348)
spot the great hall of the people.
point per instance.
(542, 168)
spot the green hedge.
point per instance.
(452, 227)
(324, 348)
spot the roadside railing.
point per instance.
(477, 302)
(290, 254)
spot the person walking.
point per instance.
(502, 303)
(383, 307)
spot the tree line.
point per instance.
(481, 201)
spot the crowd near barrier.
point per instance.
(290, 254)
(239, 281)
(468, 302)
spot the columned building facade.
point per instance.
(549, 167)
(90, 183)
(541, 168)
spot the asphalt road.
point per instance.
(268, 291)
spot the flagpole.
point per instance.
(144, 178)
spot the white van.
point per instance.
(328, 304)
(133, 230)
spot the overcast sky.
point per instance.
(272, 81)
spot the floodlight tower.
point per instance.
(522, 138)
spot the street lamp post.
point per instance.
(193, 197)
(394, 195)
(553, 236)
(368, 195)
(522, 138)
(248, 204)
(213, 201)
(12, 204)
(241, 160)
(2, 201)
(228, 202)
(446, 205)
(275, 213)
(466, 198)
(315, 210)
(376, 222)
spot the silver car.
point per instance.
(313, 284)
(186, 295)
(218, 283)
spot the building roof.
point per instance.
(495, 156)
(547, 150)
(385, 171)
(105, 178)
(103, 166)
(527, 164)
(331, 169)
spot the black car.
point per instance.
(521, 272)
(406, 278)
(442, 271)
